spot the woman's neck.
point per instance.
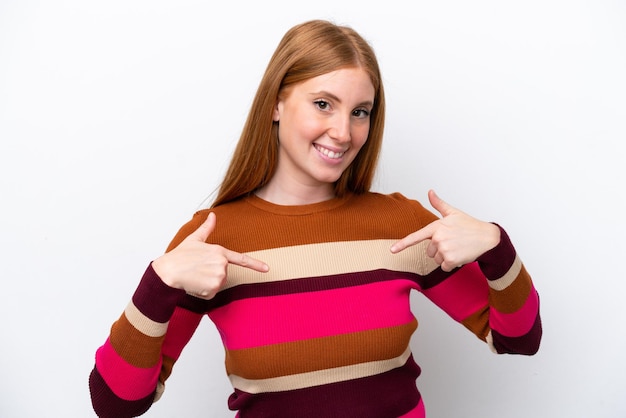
(295, 196)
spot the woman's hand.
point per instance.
(455, 239)
(200, 268)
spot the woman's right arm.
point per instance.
(132, 365)
(134, 362)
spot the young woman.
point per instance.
(304, 271)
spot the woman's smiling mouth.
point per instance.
(328, 153)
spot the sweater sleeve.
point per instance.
(144, 343)
(494, 298)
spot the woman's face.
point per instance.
(322, 124)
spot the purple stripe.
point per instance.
(395, 393)
(155, 299)
(527, 344)
(314, 284)
(496, 262)
(310, 284)
(107, 405)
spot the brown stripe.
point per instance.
(320, 353)
(319, 377)
(514, 296)
(133, 346)
(478, 323)
(352, 220)
(166, 368)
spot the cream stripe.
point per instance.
(509, 277)
(489, 340)
(331, 258)
(159, 391)
(142, 323)
(321, 377)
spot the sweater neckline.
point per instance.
(296, 210)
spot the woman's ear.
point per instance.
(276, 113)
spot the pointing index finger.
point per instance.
(246, 261)
(414, 238)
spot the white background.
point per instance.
(117, 119)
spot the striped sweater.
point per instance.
(326, 332)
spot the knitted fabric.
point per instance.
(326, 332)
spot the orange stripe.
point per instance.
(478, 323)
(395, 218)
(320, 353)
(513, 297)
(134, 347)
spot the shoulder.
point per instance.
(394, 202)
(394, 210)
(385, 198)
(196, 220)
(231, 210)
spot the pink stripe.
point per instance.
(517, 323)
(126, 381)
(418, 412)
(462, 294)
(180, 329)
(293, 317)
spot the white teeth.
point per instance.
(329, 153)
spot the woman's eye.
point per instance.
(322, 104)
(361, 113)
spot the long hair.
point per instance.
(306, 51)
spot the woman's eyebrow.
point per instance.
(338, 100)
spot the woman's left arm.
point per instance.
(488, 288)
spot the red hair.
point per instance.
(307, 50)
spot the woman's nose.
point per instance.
(340, 128)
